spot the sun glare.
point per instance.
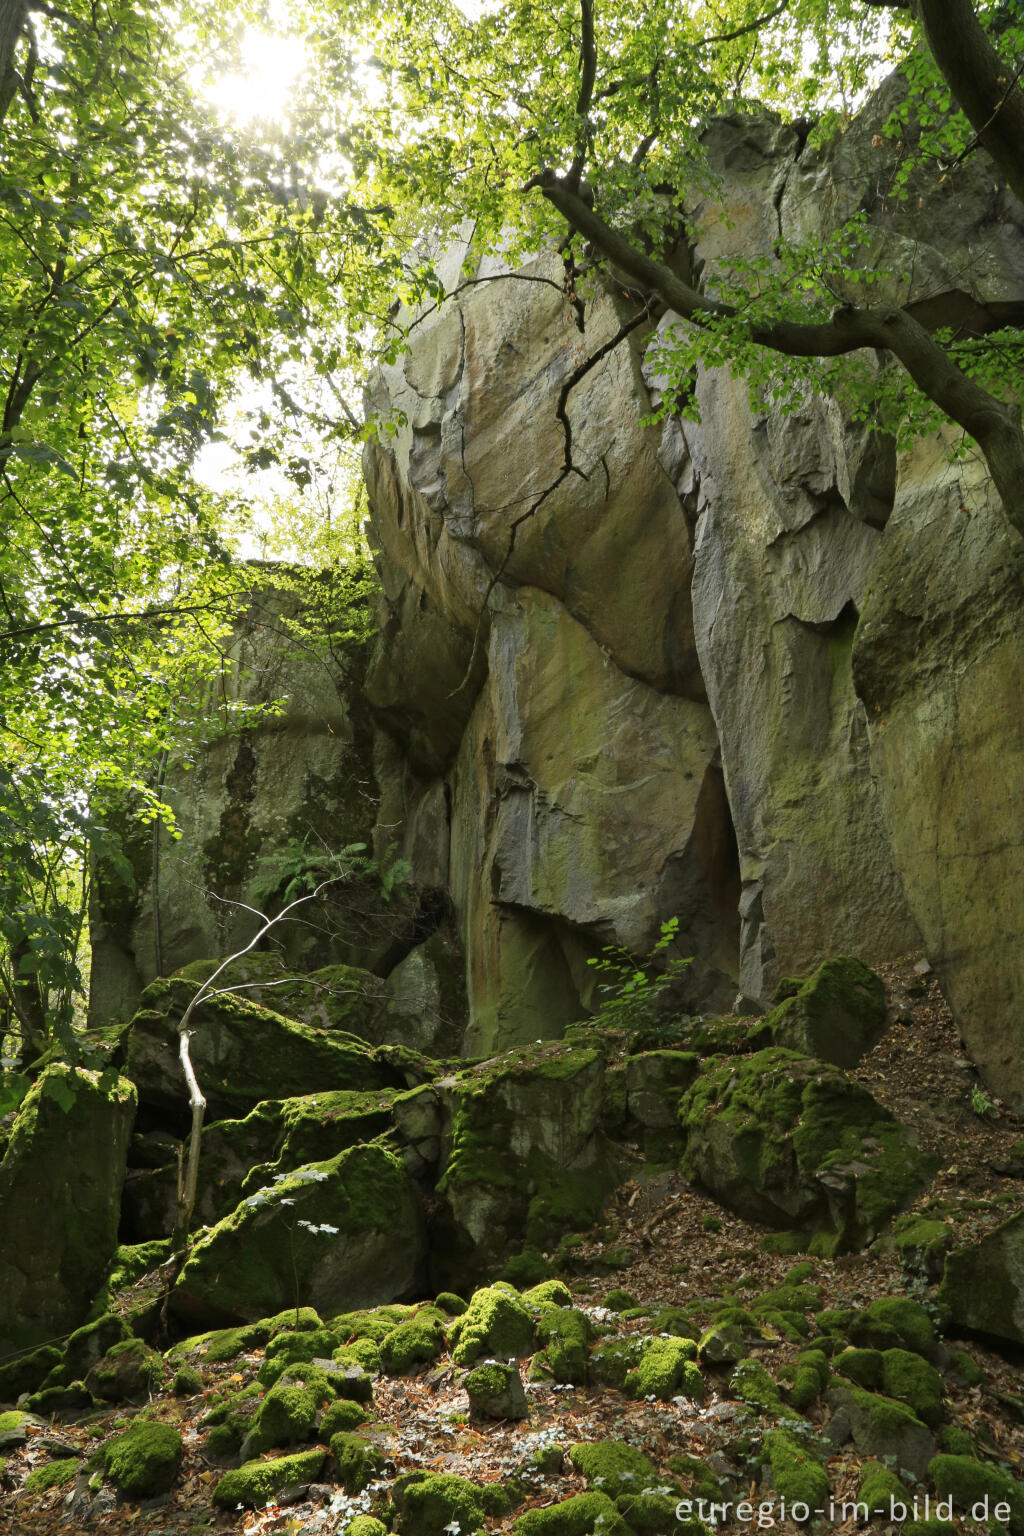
(262, 88)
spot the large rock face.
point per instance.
(60, 1201)
(249, 800)
(617, 679)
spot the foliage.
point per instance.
(632, 993)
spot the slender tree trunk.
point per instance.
(13, 14)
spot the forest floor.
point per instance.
(685, 1248)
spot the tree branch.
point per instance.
(993, 423)
(588, 75)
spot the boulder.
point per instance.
(523, 1157)
(495, 1391)
(344, 1233)
(837, 1014)
(785, 1140)
(983, 1283)
(60, 1199)
(239, 1048)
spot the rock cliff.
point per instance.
(756, 672)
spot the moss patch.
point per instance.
(256, 1482)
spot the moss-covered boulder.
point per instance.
(913, 1381)
(496, 1323)
(145, 1460)
(60, 1199)
(257, 1481)
(577, 1516)
(836, 1015)
(880, 1427)
(564, 1335)
(428, 1502)
(969, 1484)
(358, 1460)
(983, 1283)
(130, 1372)
(348, 1232)
(414, 1343)
(797, 1473)
(241, 1156)
(238, 1048)
(524, 1157)
(495, 1391)
(665, 1368)
(791, 1142)
(288, 1415)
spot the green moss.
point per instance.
(11, 1420)
(28, 1371)
(256, 1482)
(622, 1468)
(798, 1475)
(784, 1242)
(528, 1267)
(133, 1261)
(612, 1360)
(620, 1301)
(956, 1440)
(879, 1486)
(374, 1323)
(429, 1501)
(922, 1245)
(293, 1320)
(365, 1525)
(578, 1516)
(864, 1366)
(52, 1475)
(752, 1384)
(288, 1415)
(414, 1343)
(549, 1293)
(894, 1321)
(228, 1343)
(914, 1382)
(496, 1322)
(675, 1321)
(967, 1482)
(358, 1460)
(130, 1372)
(965, 1368)
(187, 1381)
(453, 1305)
(145, 1460)
(500, 1499)
(810, 1378)
(343, 1414)
(564, 1333)
(307, 1344)
(666, 1369)
(934, 1528)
